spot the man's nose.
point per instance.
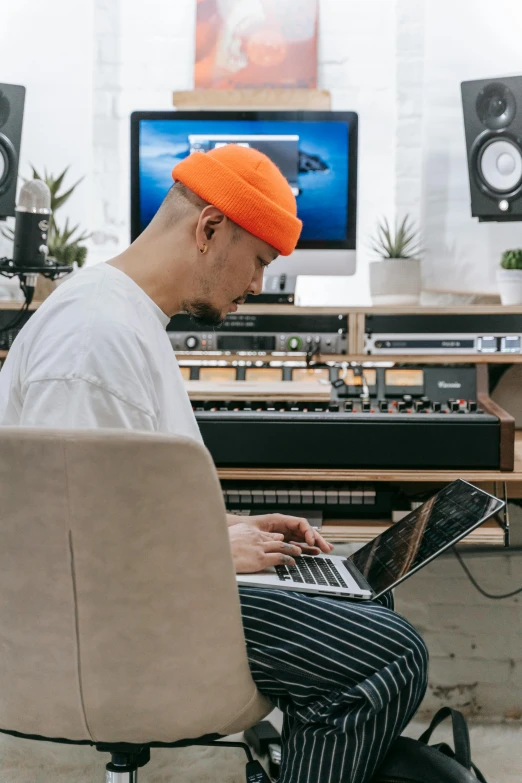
(256, 285)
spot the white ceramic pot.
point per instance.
(509, 283)
(395, 281)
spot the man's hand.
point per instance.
(254, 549)
(296, 530)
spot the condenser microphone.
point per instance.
(32, 224)
(33, 216)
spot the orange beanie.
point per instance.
(248, 188)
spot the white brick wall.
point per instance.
(50, 50)
(397, 62)
(463, 41)
(475, 643)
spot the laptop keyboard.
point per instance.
(311, 571)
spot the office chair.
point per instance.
(120, 622)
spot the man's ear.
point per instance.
(210, 218)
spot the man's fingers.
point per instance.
(273, 536)
(278, 559)
(307, 550)
(324, 545)
(282, 546)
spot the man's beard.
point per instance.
(204, 314)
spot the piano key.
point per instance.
(369, 497)
(270, 496)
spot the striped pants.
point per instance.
(348, 677)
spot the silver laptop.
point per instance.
(392, 556)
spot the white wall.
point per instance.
(398, 63)
(463, 41)
(48, 48)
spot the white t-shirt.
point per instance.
(96, 354)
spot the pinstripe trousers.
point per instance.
(347, 675)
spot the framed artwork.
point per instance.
(256, 43)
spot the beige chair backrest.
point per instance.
(119, 610)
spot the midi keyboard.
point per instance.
(403, 433)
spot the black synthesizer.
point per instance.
(351, 434)
(434, 418)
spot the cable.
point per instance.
(16, 320)
(477, 586)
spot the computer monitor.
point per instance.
(315, 150)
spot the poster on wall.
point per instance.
(256, 43)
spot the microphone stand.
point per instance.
(28, 276)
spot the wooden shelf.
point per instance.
(11, 304)
(285, 98)
(481, 358)
(285, 309)
(360, 532)
(276, 391)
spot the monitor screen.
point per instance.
(316, 151)
(411, 543)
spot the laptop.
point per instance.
(392, 556)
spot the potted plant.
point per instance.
(509, 277)
(64, 246)
(396, 277)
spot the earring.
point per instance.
(203, 249)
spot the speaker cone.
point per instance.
(7, 163)
(500, 165)
(496, 106)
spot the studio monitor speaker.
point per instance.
(12, 98)
(493, 123)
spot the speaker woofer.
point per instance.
(499, 165)
(496, 106)
(8, 163)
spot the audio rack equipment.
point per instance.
(247, 333)
(443, 334)
(277, 289)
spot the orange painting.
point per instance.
(256, 43)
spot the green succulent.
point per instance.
(511, 259)
(401, 242)
(63, 245)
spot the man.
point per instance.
(347, 676)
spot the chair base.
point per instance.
(126, 760)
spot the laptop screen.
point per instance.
(409, 544)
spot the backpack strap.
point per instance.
(478, 773)
(460, 734)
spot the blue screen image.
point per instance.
(312, 155)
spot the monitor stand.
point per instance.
(315, 262)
